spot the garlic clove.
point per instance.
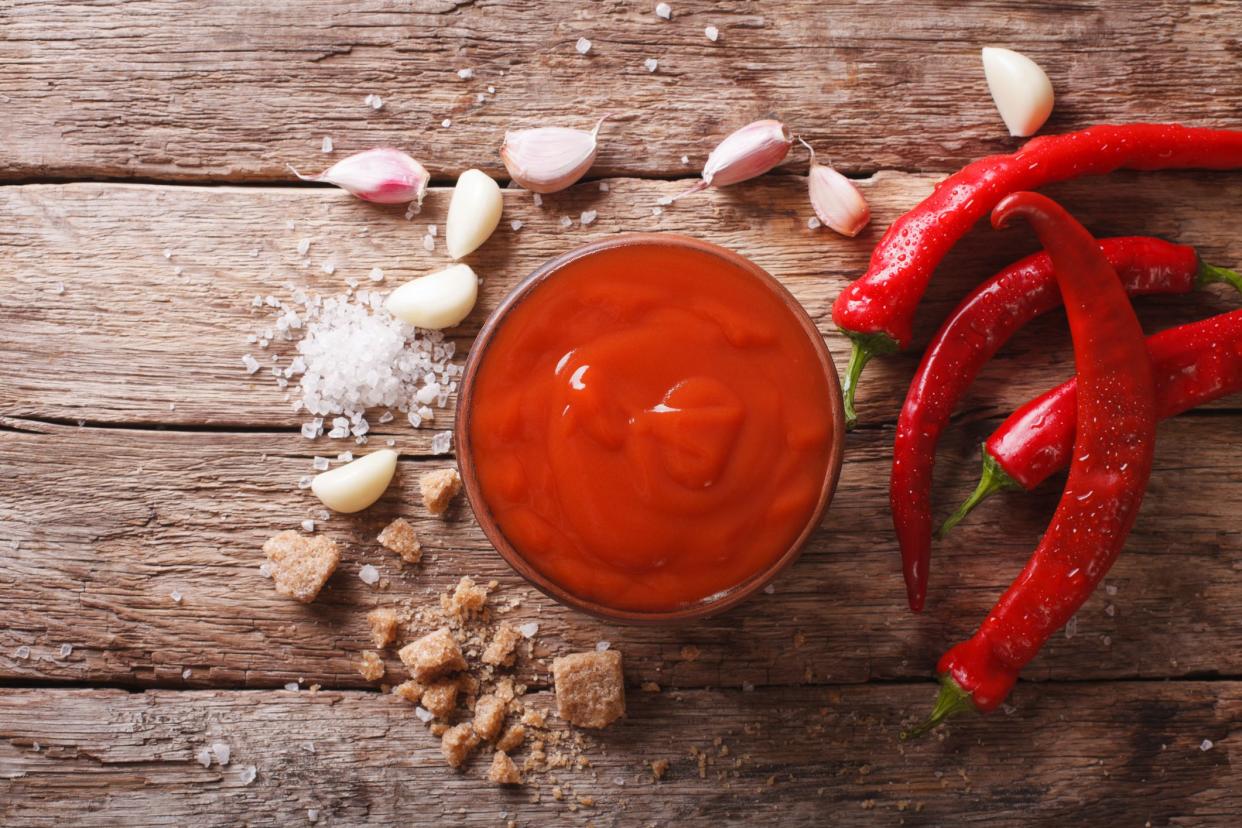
(382, 175)
(1020, 88)
(473, 213)
(436, 301)
(356, 485)
(549, 159)
(836, 201)
(745, 153)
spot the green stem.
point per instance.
(951, 701)
(864, 347)
(1211, 274)
(993, 479)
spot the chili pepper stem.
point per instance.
(1209, 274)
(993, 479)
(951, 701)
(863, 348)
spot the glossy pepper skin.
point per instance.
(1107, 478)
(1193, 364)
(973, 333)
(877, 311)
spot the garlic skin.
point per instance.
(1020, 88)
(356, 485)
(383, 176)
(436, 301)
(473, 213)
(745, 153)
(836, 201)
(549, 159)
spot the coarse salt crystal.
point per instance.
(587, 217)
(664, 201)
(516, 225)
(441, 442)
(685, 159)
(651, 64)
(491, 90)
(583, 45)
(66, 650)
(329, 267)
(312, 429)
(308, 525)
(309, 747)
(747, 687)
(312, 815)
(431, 230)
(293, 687)
(600, 646)
(465, 74)
(566, 222)
(770, 589)
(304, 482)
(320, 463)
(423, 714)
(529, 629)
(175, 596)
(203, 757)
(1110, 610)
(386, 417)
(664, 10)
(185, 674)
(265, 569)
(58, 288)
(480, 98)
(429, 243)
(415, 419)
(713, 34)
(1206, 745)
(1111, 589)
(428, 393)
(248, 774)
(376, 275)
(446, 123)
(657, 211)
(369, 575)
(304, 246)
(345, 457)
(1071, 627)
(326, 146)
(603, 186)
(167, 253)
(251, 363)
(813, 223)
(222, 752)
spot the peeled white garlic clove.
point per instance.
(356, 485)
(549, 159)
(750, 151)
(436, 301)
(836, 201)
(1020, 88)
(473, 213)
(384, 176)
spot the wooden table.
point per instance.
(137, 459)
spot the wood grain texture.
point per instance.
(134, 332)
(236, 90)
(98, 527)
(802, 756)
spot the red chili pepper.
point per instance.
(1107, 477)
(973, 333)
(1193, 364)
(877, 310)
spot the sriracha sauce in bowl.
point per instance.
(649, 428)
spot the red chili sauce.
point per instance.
(651, 426)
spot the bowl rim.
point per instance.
(712, 605)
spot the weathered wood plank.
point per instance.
(99, 526)
(233, 89)
(1117, 753)
(134, 332)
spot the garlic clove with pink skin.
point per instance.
(1020, 88)
(747, 152)
(382, 176)
(549, 159)
(838, 204)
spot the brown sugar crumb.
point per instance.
(438, 488)
(440, 698)
(371, 667)
(383, 623)
(799, 640)
(650, 687)
(534, 718)
(658, 768)
(467, 600)
(690, 653)
(500, 651)
(513, 739)
(505, 690)
(433, 655)
(399, 537)
(411, 691)
(301, 565)
(489, 717)
(457, 743)
(438, 729)
(586, 801)
(590, 689)
(503, 771)
(557, 793)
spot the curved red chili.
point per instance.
(1193, 364)
(1107, 478)
(983, 322)
(877, 310)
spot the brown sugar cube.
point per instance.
(440, 698)
(467, 600)
(399, 537)
(590, 690)
(301, 565)
(457, 743)
(371, 667)
(433, 655)
(500, 650)
(503, 771)
(513, 739)
(383, 623)
(411, 691)
(489, 717)
(438, 488)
